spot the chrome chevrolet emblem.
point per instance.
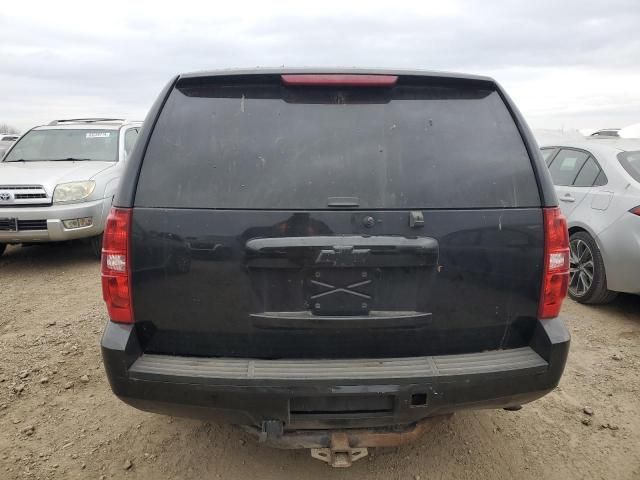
(343, 255)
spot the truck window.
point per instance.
(273, 147)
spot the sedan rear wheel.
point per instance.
(581, 268)
(587, 278)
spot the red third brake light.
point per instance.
(555, 277)
(116, 279)
(340, 80)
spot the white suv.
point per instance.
(57, 181)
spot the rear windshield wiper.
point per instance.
(17, 160)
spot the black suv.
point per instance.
(329, 259)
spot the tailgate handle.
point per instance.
(347, 243)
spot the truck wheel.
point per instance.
(96, 246)
(3, 247)
(587, 278)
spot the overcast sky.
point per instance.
(571, 64)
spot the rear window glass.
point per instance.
(268, 146)
(631, 163)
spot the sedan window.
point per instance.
(588, 174)
(601, 179)
(547, 154)
(566, 165)
(130, 138)
(631, 163)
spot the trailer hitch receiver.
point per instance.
(340, 454)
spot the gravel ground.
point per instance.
(58, 418)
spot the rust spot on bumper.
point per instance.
(372, 438)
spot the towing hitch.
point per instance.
(339, 454)
(340, 448)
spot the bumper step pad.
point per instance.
(150, 366)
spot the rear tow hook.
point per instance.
(339, 454)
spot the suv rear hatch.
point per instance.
(324, 216)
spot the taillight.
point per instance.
(555, 278)
(636, 210)
(340, 80)
(116, 278)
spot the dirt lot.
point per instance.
(58, 418)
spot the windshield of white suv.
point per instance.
(66, 144)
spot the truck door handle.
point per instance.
(568, 198)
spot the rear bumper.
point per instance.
(55, 230)
(320, 394)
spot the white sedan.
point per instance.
(598, 185)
